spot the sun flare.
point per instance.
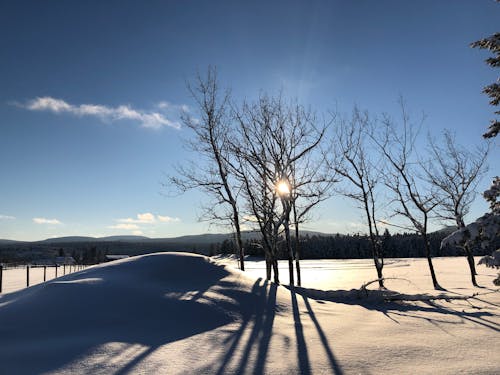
(283, 188)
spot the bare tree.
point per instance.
(486, 229)
(255, 172)
(353, 161)
(309, 188)
(211, 172)
(455, 172)
(414, 197)
(276, 147)
(303, 183)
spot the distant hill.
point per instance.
(123, 238)
(205, 238)
(66, 239)
(202, 239)
(6, 242)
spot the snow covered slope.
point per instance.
(173, 313)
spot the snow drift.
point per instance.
(150, 300)
(173, 313)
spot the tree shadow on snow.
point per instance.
(393, 304)
(258, 317)
(248, 348)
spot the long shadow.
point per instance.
(380, 301)
(305, 367)
(262, 313)
(267, 326)
(331, 358)
(238, 335)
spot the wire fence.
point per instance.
(14, 278)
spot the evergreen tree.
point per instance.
(492, 43)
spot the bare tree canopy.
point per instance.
(455, 172)
(211, 143)
(414, 197)
(279, 169)
(354, 160)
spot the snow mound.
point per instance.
(149, 300)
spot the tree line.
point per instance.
(352, 246)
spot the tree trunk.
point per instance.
(468, 254)
(373, 240)
(290, 251)
(297, 246)
(239, 242)
(379, 266)
(470, 260)
(429, 260)
(276, 272)
(268, 266)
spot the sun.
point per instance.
(283, 188)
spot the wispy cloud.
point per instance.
(168, 219)
(43, 220)
(147, 119)
(148, 218)
(7, 217)
(125, 226)
(167, 106)
(144, 219)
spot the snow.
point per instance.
(15, 278)
(187, 314)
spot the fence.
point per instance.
(13, 278)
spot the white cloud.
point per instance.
(153, 120)
(145, 218)
(7, 217)
(168, 219)
(125, 226)
(42, 220)
(170, 107)
(137, 233)
(250, 218)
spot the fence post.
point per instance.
(64, 269)
(56, 271)
(27, 275)
(44, 273)
(1, 277)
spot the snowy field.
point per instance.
(15, 278)
(173, 313)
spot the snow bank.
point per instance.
(150, 300)
(173, 313)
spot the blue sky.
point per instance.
(91, 94)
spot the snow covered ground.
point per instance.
(15, 278)
(173, 313)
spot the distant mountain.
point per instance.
(7, 242)
(123, 238)
(74, 239)
(67, 239)
(202, 239)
